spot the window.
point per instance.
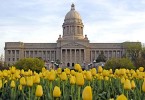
(44, 52)
(9, 51)
(17, 51)
(13, 51)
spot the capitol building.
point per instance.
(71, 47)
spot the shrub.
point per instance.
(116, 63)
(34, 64)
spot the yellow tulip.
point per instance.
(17, 74)
(87, 93)
(22, 72)
(67, 71)
(127, 84)
(122, 97)
(39, 91)
(30, 72)
(43, 69)
(36, 79)
(52, 75)
(100, 77)
(22, 81)
(72, 72)
(63, 76)
(59, 70)
(5, 74)
(116, 72)
(105, 73)
(20, 87)
(79, 79)
(140, 75)
(127, 71)
(106, 78)
(93, 71)
(88, 75)
(141, 69)
(30, 81)
(13, 69)
(122, 80)
(13, 85)
(80, 70)
(77, 67)
(56, 92)
(133, 84)
(100, 69)
(1, 83)
(122, 71)
(72, 80)
(143, 86)
(110, 71)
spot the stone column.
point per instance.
(112, 54)
(80, 30)
(32, 54)
(84, 56)
(108, 55)
(75, 55)
(42, 55)
(69, 29)
(61, 55)
(10, 55)
(50, 56)
(24, 54)
(95, 55)
(90, 55)
(79, 55)
(15, 55)
(70, 56)
(75, 29)
(119, 53)
(65, 56)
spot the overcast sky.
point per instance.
(41, 21)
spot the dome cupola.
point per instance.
(72, 14)
(73, 26)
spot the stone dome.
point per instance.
(72, 14)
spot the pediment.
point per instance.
(73, 45)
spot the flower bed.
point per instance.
(75, 84)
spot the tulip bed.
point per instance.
(92, 84)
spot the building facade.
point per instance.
(72, 47)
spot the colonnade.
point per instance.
(48, 55)
(67, 56)
(108, 53)
(72, 30)
(72, 56)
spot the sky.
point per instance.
(40, 21)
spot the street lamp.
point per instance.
(56, 65)
(88, 66)
(94, 62)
